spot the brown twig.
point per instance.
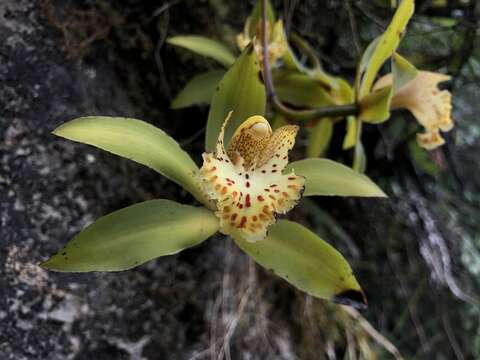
(331, 111)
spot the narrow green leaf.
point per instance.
(359, 158)
(138, 141)
(241, 91)
(319, 139)
(292, 63)
(385, 47)
(198, 90)
(403, 72)
(205, 47)
(364, 62)
(375, 107)
(307, 262)
(134, 235)
(350, 138)
(329, 178)
(301, 90)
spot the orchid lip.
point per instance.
(246, 180)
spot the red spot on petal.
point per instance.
(243, 222)
(292, 178)
(247, 184)
(224, 190)
(247, 200)
(234, 194)
(254, 218)
(234, 216)
(260, 198)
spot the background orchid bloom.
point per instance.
(431, 106)
(277, 42)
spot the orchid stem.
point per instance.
(330, 111)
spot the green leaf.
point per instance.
(291, 61)
(319, 139)
(364, 63)
(205, 47)
(375, 107)
(138, 141)
(136, 234)
(199, 90)
(385, 47)
(329, 178)
(403, 72)
(256, 16)
(301, 90)
(359, 158)
(240, 91)
(350, 138)
(307, 262)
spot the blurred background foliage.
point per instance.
(417, 254)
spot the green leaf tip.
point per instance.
(199, 90)
(134, 235)
(204, 46)
(306, 261)
(325, 177)
(353, 298)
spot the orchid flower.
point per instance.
(242, 186)
(431, 106)
(277, 42)
(246, 180)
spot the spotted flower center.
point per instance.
(431, 106)
(246, 180)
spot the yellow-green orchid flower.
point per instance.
(431, 106)
(246, 180)
(277, 42)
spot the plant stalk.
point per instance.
(329, 111)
